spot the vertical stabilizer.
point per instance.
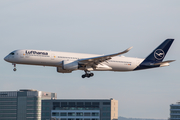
(156, 57)
(160, 52)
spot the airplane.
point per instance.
(66, 62)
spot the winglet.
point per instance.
(127, 50)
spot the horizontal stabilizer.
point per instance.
(164, 62)
(160, 64)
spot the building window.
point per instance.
(63, 118)
(56, 104)
(10, 107)
(8, 103)
(33, 111)
(106, 118)
(79, 108)
(178, 112)
(30, 107)
(80, 104)
(106, 108)
(57, 118)
(79, 119)
(175, 116)
(55, 114)
(71, 114)
(30, 103)
(72, 108)
(8, 99)
(106, 114)
(45, 103)
(31, 98)
(87, 114)
(79, 114)
(87, 104)
(64, 104)
(95, 114)
(95, 104)
(7, 115)
(45, 114)
(106, 103)
(87, 119)
(175, 107)
(96, 119)
(71, 119)
(8, 111)
(45, 108)
(63, 114)
(71, 104)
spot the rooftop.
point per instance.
(27, 90)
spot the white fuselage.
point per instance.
(53, 58)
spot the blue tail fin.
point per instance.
(160, 52)
(156, 56)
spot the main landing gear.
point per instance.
(88, 75)
(14, 67)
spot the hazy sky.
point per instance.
(97, 27)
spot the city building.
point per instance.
(28, 104)
(22, 104)
(175, 111)
(80, 109)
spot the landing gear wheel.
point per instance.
(88, 75)
(83, 76)
(14, 67)
(91, 74)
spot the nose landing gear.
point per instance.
(14, 67)
(88, 75)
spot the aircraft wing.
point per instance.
(100, 59)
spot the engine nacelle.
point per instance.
(60, 70)
(69, 65)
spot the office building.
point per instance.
(22, 104)
(80, 109)
(175, 111)
(27, 104)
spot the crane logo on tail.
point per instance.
(159, 54)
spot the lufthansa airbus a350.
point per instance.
(66, 62)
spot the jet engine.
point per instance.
(68, 66)
(60, 70)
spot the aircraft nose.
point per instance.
(6, 58)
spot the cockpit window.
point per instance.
(12, 53)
